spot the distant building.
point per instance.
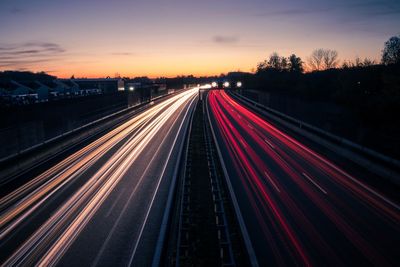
(20, 94)
(61, 88)
(130, 85)
(43, 91)
(37, 89)
(104, 85)
(144, 83)
(20, 89)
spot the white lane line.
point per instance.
(133, 193)
(269, 143)
(115, 203)
(353, 179)
(312, 181)
(132, 256)
(272, 182)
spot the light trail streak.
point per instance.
(265, 158)
(56, 235)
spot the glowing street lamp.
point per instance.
(239, 84)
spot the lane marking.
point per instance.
(272, 182)
(133, 253)
(115, 203)
(312, 181)
(269, 143)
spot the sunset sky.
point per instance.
(175, 37)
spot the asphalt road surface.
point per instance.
(298, 208)
(104, 204)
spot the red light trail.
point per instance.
(308, 210)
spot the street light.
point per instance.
(226, 84)
(239, 84)
(131, 88)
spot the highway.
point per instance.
(104, 204)
(297, 207)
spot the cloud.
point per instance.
(293, 12)
(377, 8)
(22, 55)
(123, 54)
(16, 10)
(222, 39)
(359, 8)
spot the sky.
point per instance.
(99, 38)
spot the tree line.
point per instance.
(324, 59)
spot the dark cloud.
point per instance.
(356, 8)
(29, 53)
(22, 63)
(377, 8)
(221, 39)
(16, 10)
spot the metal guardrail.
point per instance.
(167, 212)
(225, 244)
(246, 238)
(184, 207)
(338, 139)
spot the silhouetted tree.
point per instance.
(323, 59)
(358, 63)
(274, 62)
(330, 59)
(295, 64)
(284, 65)
(368, 62)
(315, 61)
(391, 51)
(262, 66)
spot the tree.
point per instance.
(330, 59)
(391, 51)
(284, 65)
(315, 61)
(295, 64)
(358, 63)
(368, 62)
(323, 59)
(274, 62)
